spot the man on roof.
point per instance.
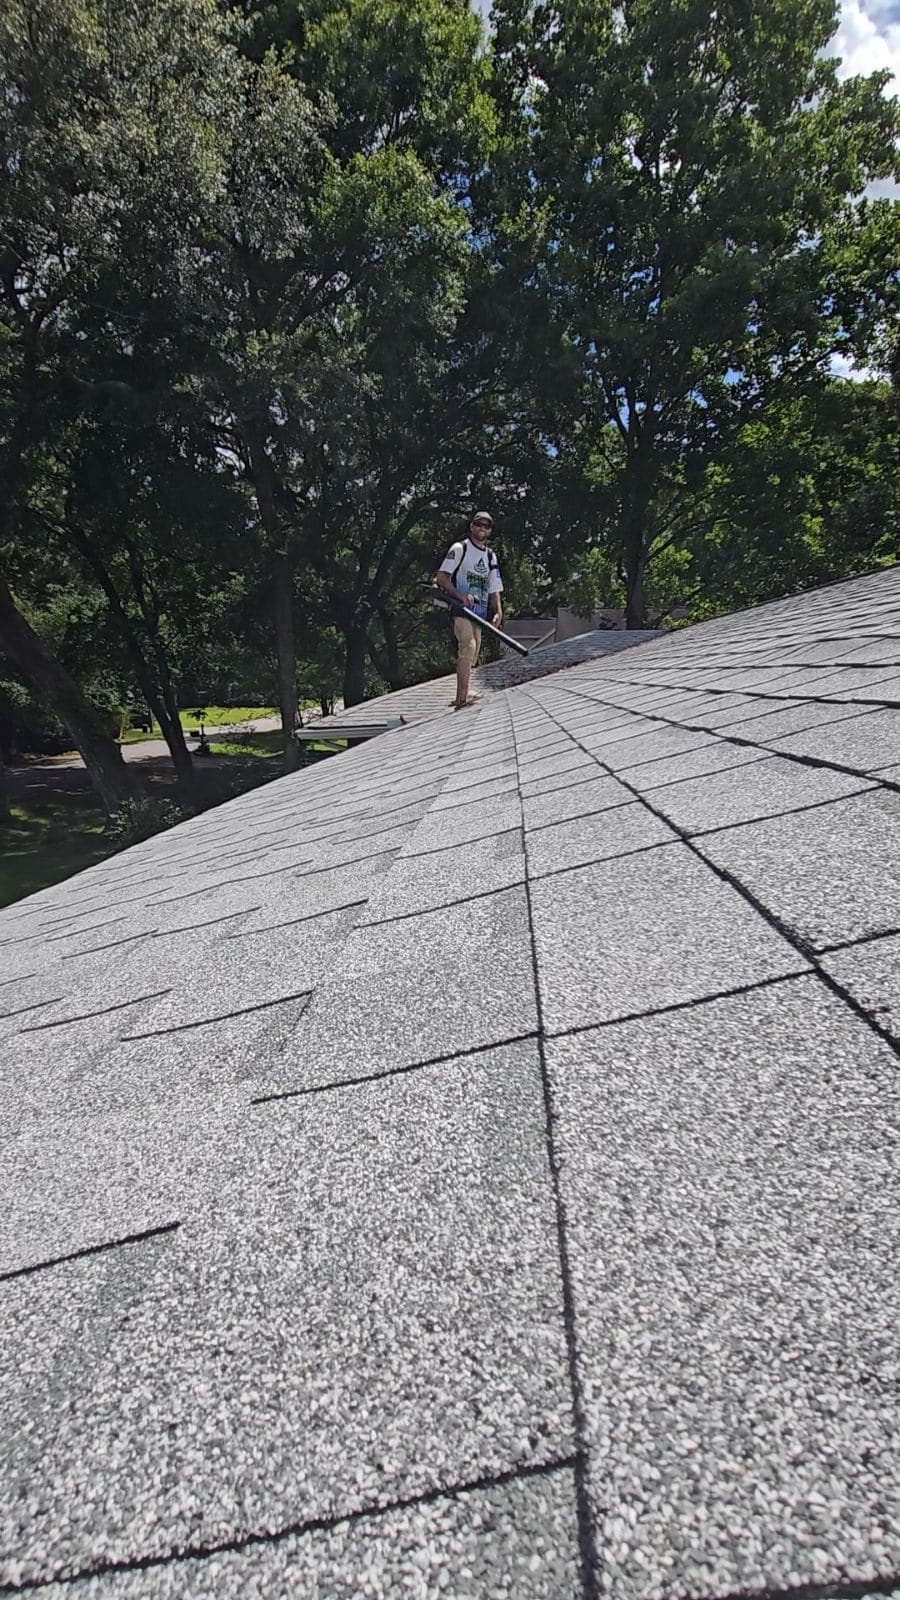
(470, 575)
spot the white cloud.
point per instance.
(868, 38)
(843, 367)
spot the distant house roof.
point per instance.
(470, 1166)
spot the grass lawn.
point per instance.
(261, 745)
(213, 717)
(56, 829)
(254, 744)
(43, 845)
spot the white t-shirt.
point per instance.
(478, 575)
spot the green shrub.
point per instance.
(112, 716)
(141, 818)
(27, 725)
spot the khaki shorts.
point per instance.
(468, 639)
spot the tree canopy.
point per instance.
(285, 290)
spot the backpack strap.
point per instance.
(456, 570)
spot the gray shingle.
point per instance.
(855, 684)
(765, 788)
(473, 794)
(772, 723)
(571, 769)
(320, 892)
(88, 1070)
(244, 970)
(542, 767)
(865, 742)
(712, 757)
(871, 974)
(616, 939)
(574, 800)
(872, 652)
(482, 773)
(428, 882)
(429, 986)
(75, 1183)
(579, 841)
(729, 1177)
(831, 875)
(466, 826)
(19, 997)
(365, 1306)
(651, 744)
(517, 1541)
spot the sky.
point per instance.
(869, 38)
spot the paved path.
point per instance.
(157, 749)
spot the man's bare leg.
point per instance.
(468, 645)
(463, 674)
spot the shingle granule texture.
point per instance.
(471, 1166)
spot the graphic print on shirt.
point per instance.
(476, 581)
(474, 571)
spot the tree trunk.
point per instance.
(48, 678)
(164, 705)
(282, 590)
(634, 580)
(283, 596)
(356, 637)
(393, 671)
(160, 696)
(182, 761)
(635, 539)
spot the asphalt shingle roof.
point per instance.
(431, 699)
(470, 1166)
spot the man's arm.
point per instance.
(445, 581)
(495, 599)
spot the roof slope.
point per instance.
(435, 697)
(470, 1166)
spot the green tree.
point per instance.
(106, 129)
(807, 493)
(683, 181)
(328, 320)
(138, 499)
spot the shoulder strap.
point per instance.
(456, 570)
